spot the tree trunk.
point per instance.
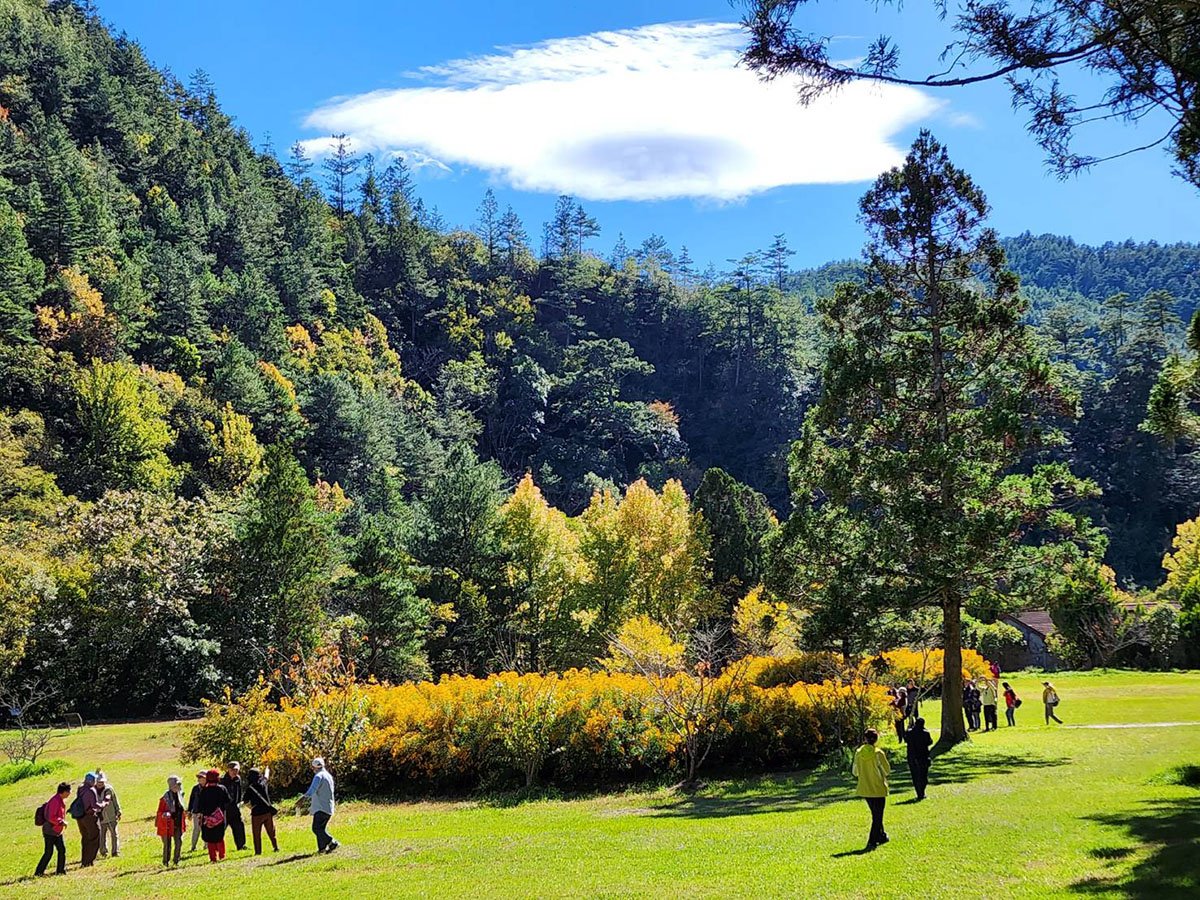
(954, 728)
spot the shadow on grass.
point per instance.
(295, 857)
(1170, 829)
(811, 790)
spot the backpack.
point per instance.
(39, 816)
(77, 809)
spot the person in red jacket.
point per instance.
(170, 822)
(54, 820)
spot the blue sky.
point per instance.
(636, 108)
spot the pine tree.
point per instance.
(489, 225)
(904, 486)
(340, 166)
(21, 277)
(777, 260)
(513, 238)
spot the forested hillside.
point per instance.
(248, 404)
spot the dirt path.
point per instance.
(1139, 725)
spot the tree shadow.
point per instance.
(795, 791)
(1170, 829)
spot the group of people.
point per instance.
(213, 808)
(871, 767)
(95, 809)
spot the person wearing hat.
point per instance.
(85, 810)
(170, 822)
(109, 816)
(214, 800)
(1050, 701)
(193, 808)
(321, 802)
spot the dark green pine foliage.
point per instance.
(739, 525)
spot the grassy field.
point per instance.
(1033, 811)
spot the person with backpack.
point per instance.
(917, 742)
(871, 768)
(214, 800)
(193, 809)
(170, 822)
(262, 812)
(85, 810)
(232, 779)
(1011, 702)
(1050, 701)
(109, 816)
(52, 817)
(320, 796)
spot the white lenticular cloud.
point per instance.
(648, 113)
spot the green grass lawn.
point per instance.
(1025, 812)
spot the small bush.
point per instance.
(18, 771)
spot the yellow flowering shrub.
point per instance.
(573, 728)
(923, 667)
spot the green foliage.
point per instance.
(123, 431)
(284, 553)
(380, 593)
(739, 523)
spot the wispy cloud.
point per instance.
(648, 113)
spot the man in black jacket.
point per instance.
(917, 742)
(232, 779)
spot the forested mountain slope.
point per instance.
(246, 401)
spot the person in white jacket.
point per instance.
(321, 803)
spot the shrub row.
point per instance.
(574, 729)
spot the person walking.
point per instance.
(1050, 701)
(262, 812)
(170, 822)
(110, 815)
(193, 808)
(214, 800)
(917, 742)
(912, 697)
(871, 768)
(85, 810)
(54, 822)
(971, 704)
(232, 779)
(988, 697)
(899, 711)
(321, 802)
(1011, 702)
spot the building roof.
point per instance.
(1034, 620)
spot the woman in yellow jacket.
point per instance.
(1050, 701)
(871, 768)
